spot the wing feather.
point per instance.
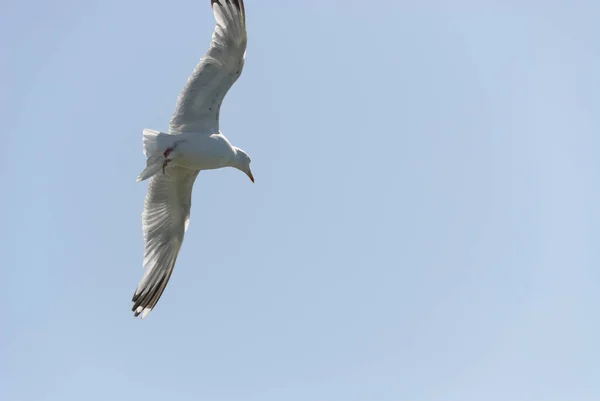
(199, 102)
(165, 219)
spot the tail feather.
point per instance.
(153, 166)
(155, 143)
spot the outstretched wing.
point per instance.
(165, 218)
(200, 100)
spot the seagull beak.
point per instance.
(250, 176)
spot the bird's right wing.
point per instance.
(200, 100)
(165, 218)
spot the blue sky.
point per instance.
(424, 223)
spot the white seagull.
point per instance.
(194, 143)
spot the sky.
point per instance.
(424, 223)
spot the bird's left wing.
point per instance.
(200, 100)
(165, 219)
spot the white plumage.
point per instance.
(193, 143)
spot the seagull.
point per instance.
(193, 143)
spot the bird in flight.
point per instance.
(193, 143)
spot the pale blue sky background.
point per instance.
(424, 224)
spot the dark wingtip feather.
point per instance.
(238, 3)
(147, 298)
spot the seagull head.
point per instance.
(242, 162)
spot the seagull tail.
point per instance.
(155, 143)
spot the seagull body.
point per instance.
(193, 143)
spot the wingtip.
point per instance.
(238, 3)
(140, 310)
